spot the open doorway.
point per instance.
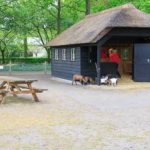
(125, 54)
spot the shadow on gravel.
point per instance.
(17, 100)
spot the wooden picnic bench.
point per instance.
(16, 86)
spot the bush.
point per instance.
(25, 60)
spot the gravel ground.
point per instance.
(77, 118)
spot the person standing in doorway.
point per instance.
(114, 57)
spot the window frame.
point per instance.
(64, 54)
(73, 54)
(56, 54)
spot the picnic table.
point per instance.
(16, 86)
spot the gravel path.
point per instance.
(76, 118)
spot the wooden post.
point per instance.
(33, 92)
(89, 55)
(10, 69)
(45, 67)
(2, 99)
(51, 62)
(98, 65)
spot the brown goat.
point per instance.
(89, 80)
(78, 78)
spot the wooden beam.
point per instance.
(98, 65)
(130, 32)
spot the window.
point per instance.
(125, 54)
(73, 54)
(63, 54)
(56, 54)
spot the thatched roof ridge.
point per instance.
(126, 6)
(95, 26)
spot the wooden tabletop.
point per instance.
(15, 79)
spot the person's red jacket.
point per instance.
(114, 57)
(103, 55)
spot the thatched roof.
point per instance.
(99, 24)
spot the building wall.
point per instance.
(66, 68)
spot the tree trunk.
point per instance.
(88, 7)
(48, 50)
(3, 56)
(106, 2)
(58, 16)
(25, 47)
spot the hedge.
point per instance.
(25, 60)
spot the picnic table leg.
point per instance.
(3, 85)
(2, 98)
(12, 90)
(33, 93)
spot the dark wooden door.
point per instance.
(141, 62)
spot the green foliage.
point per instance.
(99, 5)
(20, 19)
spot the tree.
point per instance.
(88, 7)
(58, 16)
(45, 19)
(6, 27)
(6, 39)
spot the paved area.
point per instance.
(76, 118)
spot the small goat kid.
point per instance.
(104, 80)
(113, 81)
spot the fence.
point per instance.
(11, 68)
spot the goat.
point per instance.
(113, 81)
(78, 78)
(89, 80)
(104, 80)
